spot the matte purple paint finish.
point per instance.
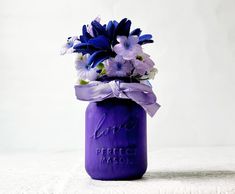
(116, 142)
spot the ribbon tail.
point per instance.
(151, 109)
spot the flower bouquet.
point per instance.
(113, 73)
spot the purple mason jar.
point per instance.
(116, 141)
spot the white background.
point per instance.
(194, 51)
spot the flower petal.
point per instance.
(97, 57)
(100, 42)
(120, 27)
(84, 48)
(119, 49)
(119, 59)
(145, 42)
(110, 28)
(93, 57)
(133, 40)
(145, 37)
(126, 29)
(98, 28)
(86, 36)
(136, 32)
(121, 39)
(99, 60)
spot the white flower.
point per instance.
(68, 47)
(84, 71)
(152, 73)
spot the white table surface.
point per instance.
(204, 170)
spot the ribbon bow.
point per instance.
(141, 93)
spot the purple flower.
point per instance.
(142, 64)
(118, 67)
(68, 47)
(128, 47)
(84, 71)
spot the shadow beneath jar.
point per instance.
(184, 175)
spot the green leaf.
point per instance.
(100, 66)
(103, 72)
(83, 82)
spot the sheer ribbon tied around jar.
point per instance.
(141, 93)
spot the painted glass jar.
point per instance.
(116, 141)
